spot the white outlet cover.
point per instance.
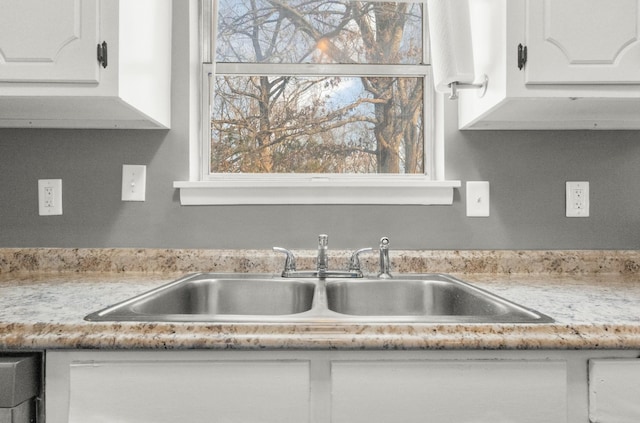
(49, 197)
(134, 180)
(577, 199)
(478, 204)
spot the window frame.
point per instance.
(205, 188)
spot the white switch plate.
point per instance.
(478, 198)
(134, 180)
(577, 196)
(49, 197)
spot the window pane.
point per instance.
(319, 31)
(292, 124)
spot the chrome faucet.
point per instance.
(385, 263)
(289, 262)
(322, 263)
(354, 262)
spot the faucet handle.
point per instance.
(354, 263)
(289, 262)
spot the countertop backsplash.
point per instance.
(149, 260)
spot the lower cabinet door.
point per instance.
(158, 391)
(614, 390)
(449, 391)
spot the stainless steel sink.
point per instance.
(410, 298)
(215, 297)
(429, 298)
(433, 298)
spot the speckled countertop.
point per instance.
(594, 298)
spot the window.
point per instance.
(329, 99)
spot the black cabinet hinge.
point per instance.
(522, 56)
(102, 54)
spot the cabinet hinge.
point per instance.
(102, 54)
(522, 56)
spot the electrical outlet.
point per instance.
(49, 197)
(577, 199)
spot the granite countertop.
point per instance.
(45, 310)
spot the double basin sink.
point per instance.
(234, 297)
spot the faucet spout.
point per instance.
(323, 260)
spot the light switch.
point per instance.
(134, 180)
(477, 198)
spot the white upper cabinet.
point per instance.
(583, 41)
(48, 41)
(582, 68)
(85, 63)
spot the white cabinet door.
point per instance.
(449, 391)
(49, 71)
(145, 388)
(49, 41)
(583, 41)
(614, 391)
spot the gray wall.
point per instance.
(527, 171)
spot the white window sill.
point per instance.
(404, 190)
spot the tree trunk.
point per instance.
(265, 159)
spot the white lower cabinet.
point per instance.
(614, 390)
(449, 391)
(339, 386)
(158, 388)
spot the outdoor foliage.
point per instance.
(321, 123)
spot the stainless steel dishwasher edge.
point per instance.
(20, 387)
